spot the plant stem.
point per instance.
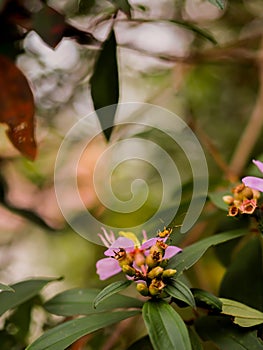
(252, 131)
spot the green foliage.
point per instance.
(80, 302)
(206, 300)
(66, 333)
(110, 290)
(244, 316)
(243, 279)
(179, 290)
(222, 332)
(165, 327)
(5, 288)
(23, 291)
(193, 253)
(105, 84)
(195, 340)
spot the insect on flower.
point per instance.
(143, 262)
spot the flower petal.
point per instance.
(253, 182)
(150, 242)
(259, 164)
(121, 242)
(170, 251)
(107, 267)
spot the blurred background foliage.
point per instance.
(201, 62)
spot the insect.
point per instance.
(166, 231)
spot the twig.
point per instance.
(252, 131)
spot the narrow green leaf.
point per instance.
(65, 334)
(80, 302)
(206, 300)
(5, 288)
(227, 335)
(243, 279)
(111, 289)
(218, 3)
(245, 316)
(179, 290)
(105, 85)
(194, 252)
(165, 326)
(23, 291)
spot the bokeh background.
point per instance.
(167, 58)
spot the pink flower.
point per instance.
(254, 182)
(124, 251)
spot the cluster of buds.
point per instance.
(144, 263)
(243, 200)
(148, 268)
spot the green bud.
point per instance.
(155, 272)
(128, 270)
(169, 273)
(156, 287)
(142, 289)
(150, 261)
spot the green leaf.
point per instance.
(218, 3)
(195, 340)
(226, 335)
(143, 343)
(165, 326)
(80, 302)
(20, 320)
(65, 334)
(194, 252)
(217, 199)
(110, 290)
(105, 84)
(206, 300)
(5, 288)
(244, 315)
(243, 279)
(179, 290)
(23, 291)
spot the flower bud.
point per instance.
(169, 273)
(228, 199)
(247, 192)
(142, 289)
(159, 247)
(156, 287)
(150, 261)
(155, 272)
(128, 270)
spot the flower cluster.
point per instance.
(245, 196)
(144, 263)
(243, 201)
